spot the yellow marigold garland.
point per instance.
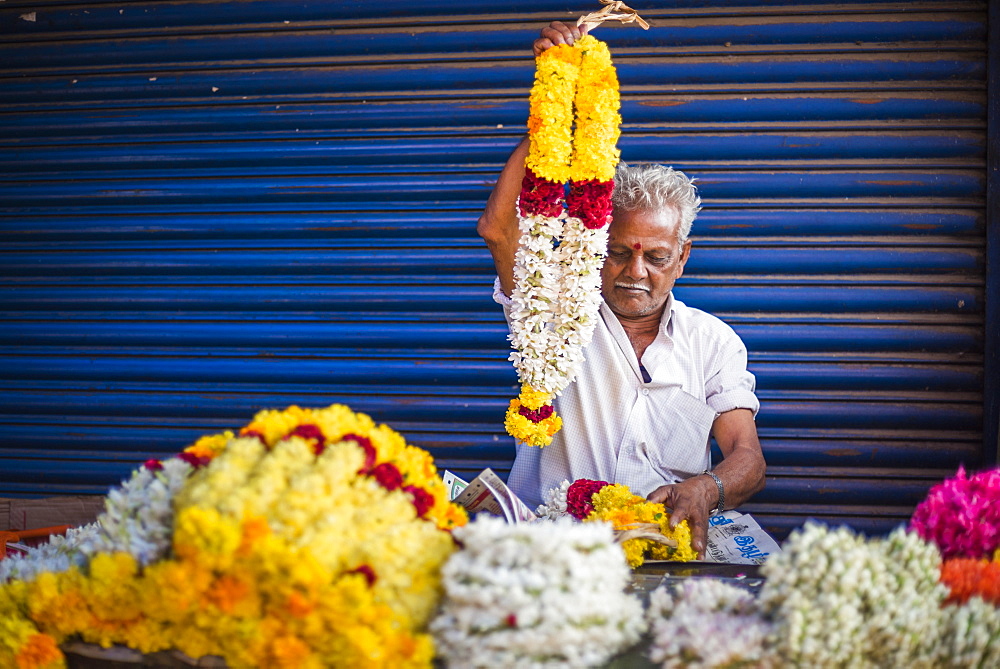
(312, 540)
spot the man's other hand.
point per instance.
(692, 500)
(558, 32)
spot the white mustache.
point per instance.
(636, 286)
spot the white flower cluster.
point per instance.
(970, 636)
(704, 622)
(138, 519)
(554, 502)
(556, 299)
(535, 595)
(840, 600)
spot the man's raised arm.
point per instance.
(498, 223)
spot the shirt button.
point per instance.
(645, 391)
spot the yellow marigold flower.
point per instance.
(206, 537)
(210, 445)
(617, 505)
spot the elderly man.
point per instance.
(660, 377)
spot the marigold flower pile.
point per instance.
(310, 539)
(563, 239)
(600, 501)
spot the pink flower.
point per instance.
(195, 461)
(153, 465)
(578, 497)
(962, 515)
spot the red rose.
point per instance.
(578, 497)
(388, 476)
(422, 500)
(254, 433)
(153, 465)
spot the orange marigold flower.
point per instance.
(967, 577)
(39, 651)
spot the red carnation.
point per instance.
(367, 572)
(388, 476)
(540, 197)
(312, 433)
(194, 460)
(153, 465)
(578, 497)
(590, 201)
(366, 445)
(422, 500)
(538, 415)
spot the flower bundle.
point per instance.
(682, 618)
(535, 595)
(312, 538)
(573, 125)
(628, 513)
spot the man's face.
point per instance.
(645, 258)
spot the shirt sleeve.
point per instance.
(730, 386)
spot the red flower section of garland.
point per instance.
(388, 476)
(966, 577)
(578, 497)
(153, 465)
(540, 197)
(590, 201)
(311, 433)
(366, 445)
(538, 415)
(367, 572)
(422, 500)
(194, 460)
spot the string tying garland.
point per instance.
(557, 267)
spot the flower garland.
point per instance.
(962, 515)
(591, 501)
(563, 240)
(533, 595)
(312, 539)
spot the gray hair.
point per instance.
(651, 187)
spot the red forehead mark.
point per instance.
(637, 246)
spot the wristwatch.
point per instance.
(722, 492)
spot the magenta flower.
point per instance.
(962, 515)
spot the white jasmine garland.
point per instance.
(706, 623)
(554, 502)
(535, 595)
(839, 600)
(556, 298)
(970, 636)
(138, 519)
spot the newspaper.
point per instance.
(736, 538)
(487, 492)
(733, 537)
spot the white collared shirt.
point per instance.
(618, 428)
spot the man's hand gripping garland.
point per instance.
(563, 242)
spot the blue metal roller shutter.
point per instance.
(211, 207)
